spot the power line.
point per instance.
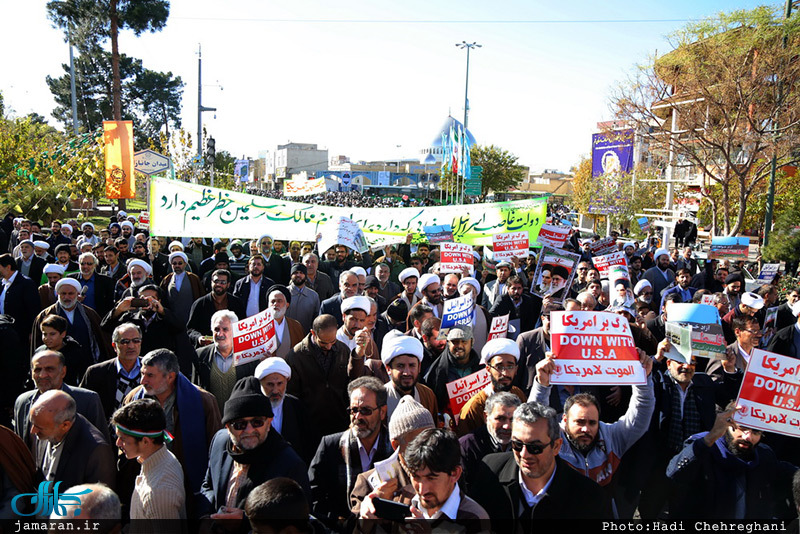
(414, 21)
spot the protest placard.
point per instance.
(770, 394)
(707, 299)
(770, 320)
(509, 245)
(441, 233)
(612, 266)
(768, 273)
(343, 231)
(253, 338)
(708, 340)
(680, 339)
(644, 224)
(733, 248)
(453, 257)
(455, 312)
(301, 187)
(499, 327)
(554, 273)
(552, 236)
(594, 348)
(604, 246)
(144, 220)
(461, 390)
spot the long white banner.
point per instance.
(190, 210)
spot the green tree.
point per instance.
(500, 168)
(96, 20)
(723, 102)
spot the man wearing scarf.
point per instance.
(246, 453)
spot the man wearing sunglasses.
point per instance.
(532, 481)
(246, 453)
(342, 456)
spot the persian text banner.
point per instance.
(191, 210)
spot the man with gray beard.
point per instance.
(245, 454)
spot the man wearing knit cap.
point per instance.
(402, 356)
(246, 453)
(409, 419)
(458, 360)
(289, 414)
(305, 302)
(141, 434)
(342, 456)
(84, 322)
(181, 287)
(501, 358)
(660, 275)
(408, 278)
(28, 263)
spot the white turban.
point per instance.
(143, 264)
(752, 300)
(41, 244)
(54, 268)
(500, 345)
(273, 365)
(358, 271)
(84, 225)
(408, 272)
(175, 244)
(178, 254)
(126, 223)
(395, 345)
(68, 226)
(641, 285)
(68, 282)
(660, 252)
(356, 303)
(427, 279)
(471, 281)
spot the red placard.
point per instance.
(453, 257)
(461, 390)
(509, 244)
(770, 394)
(253, 337)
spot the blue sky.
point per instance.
(371, 80)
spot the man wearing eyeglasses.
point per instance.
(501, 357)
(97, 289)
(532, 481)
(727, 472)
(245, 454)
(342, 456)
(748, 337)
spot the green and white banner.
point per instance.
(183, 209)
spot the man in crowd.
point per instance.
(112, 267)
(113, 379)
(402, 356)
(288, 332)
(501, 358)
(252, 289)
(786, 341)
(305, 301)
(458, 360)
(141, 434)
(18, 298)
(734, 285)
(139, 274)
(350, 452)
(749, 304)
(28, 263)
(387, 289)
(205, 307)
(216, 372)
(348, 287)
(408, 278)
(522, 308)
(682, 279)
(429, 287)
(68, 448)
(660, 275)
(275, 267)
(245, 454)
(182, 288)
(99, 289)
(316, 279)
(533, 346)
(321, 359)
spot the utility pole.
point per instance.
(774, 166)
(200, 107)
(460, 183)
(72, 84)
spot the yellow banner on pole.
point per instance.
(118, 142)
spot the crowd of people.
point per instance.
(119, 376)
(346, 199)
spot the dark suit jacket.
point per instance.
(657, 328)
(330, 488)
(277, 268)
(783, 342)
(86, 457)
(205, 360)
(676, 289)
(242, 290)
(203, 308)
(87, 404)
(103, 292)
(36, 270)
(333, 306)
(22, 303)
(785, 316)
(294, 428)
(657, 280)
(496, 488)
(102, 379)
(528, 313)
(532, 347)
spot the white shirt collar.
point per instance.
(530, 498)
(448, 509)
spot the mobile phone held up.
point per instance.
(391, 510)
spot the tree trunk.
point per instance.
(741, 211)
(116, 83)
(726, 208)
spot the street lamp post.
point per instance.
(469, 46)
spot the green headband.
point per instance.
(143, 434)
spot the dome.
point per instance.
(445, 129)
(427, 159)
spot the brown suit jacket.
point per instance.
(194, 280)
